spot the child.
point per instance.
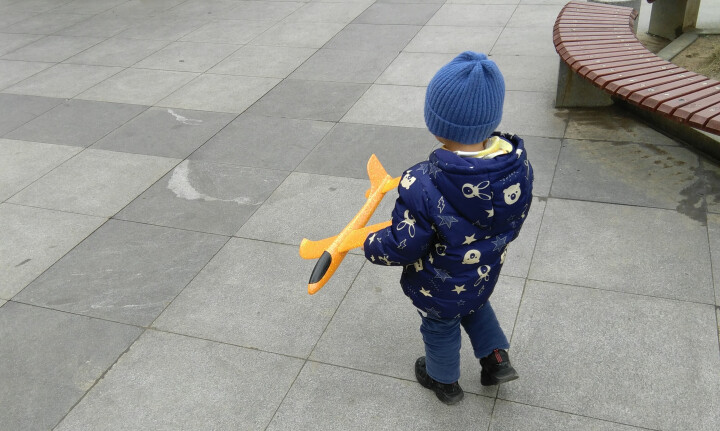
(452, 222)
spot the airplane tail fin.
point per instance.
(376, 173)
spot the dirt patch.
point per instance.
(702, 56)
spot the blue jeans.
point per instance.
(442, 341)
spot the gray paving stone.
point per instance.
(520, 252)
(88, 6)
(220, 93)
(206, 197)
(142, 8)
(34, 6)
(207, 8)
(33, 239)
(9, 42)
(228, 31)
(631, 174)
(263, 10)
(117, 51)
(526, 41)
(390, 105)
(461, 15)
(266, 61)
(21, 163)
(369, 401)
(45, 23)
(12, 72)
(10, 17)
(515, 72)
(327, 12)
(264, 142)
(63, 80)
(384, 326)
(520, 417)
(163, 28)
(53, 48)
(76, 122)
(612, 124)
(543, 154)
(453, 40)
(168, 381)
(298, 34)
(62, 357)
(138, 86)
(125, 272)
(623, 248)
(596, 330)
(292, 211)
(241, 298)
(411, 1)
(414, 68)
(533, 114)
(388, 13)
(95, 182)
(344, 151)
(339, 65)
(313, 100)
(713, 224)
(188, 56)
(371, 37)
(711, 176)
(2, 302)
(535, 15)
(16, 110)
(165, 132)
(101, 25)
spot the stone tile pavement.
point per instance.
(160, 161)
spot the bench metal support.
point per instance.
(574, 91)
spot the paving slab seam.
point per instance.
(577, 286)
(99, 379)
(498, 38)
(189, 281)
(675, 210)
(577, 414)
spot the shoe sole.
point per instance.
(427, 383)
(487, 380)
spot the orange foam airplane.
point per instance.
(331, 251)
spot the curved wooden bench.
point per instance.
(597, 42)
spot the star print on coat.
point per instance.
(425, 292)
(434, 170)
(409, 222)
(460, 303)
(500, 242)
(491, 212)
(459, 289)
(441, 274)
(433, 312)
(387, 261)
(441, 203)
(469, 239)
(447, 221)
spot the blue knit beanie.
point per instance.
(464, 100)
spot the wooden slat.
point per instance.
(686, 112)
(713, 125)
(645, 67)
(615, 86)
(603, 81)
(612, 66)
(701, 118)
(636, 86)
(652, 101)
(669, 107)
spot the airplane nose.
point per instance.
(321, 267)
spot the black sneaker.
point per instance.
(496, 368)
(448, 393)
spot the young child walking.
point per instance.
(454, 217)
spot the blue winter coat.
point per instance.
(451, 225)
